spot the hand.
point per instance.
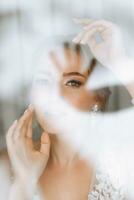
(109, 50)
(27, 163)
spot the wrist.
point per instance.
(26, 179)
(20, 190)
(25, 183)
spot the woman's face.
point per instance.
(73, 78)
(73, 81)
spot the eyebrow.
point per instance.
(73, 73)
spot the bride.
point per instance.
(56, 170)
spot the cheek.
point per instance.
(79, 98)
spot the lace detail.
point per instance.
(104, 190)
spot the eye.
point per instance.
(74, 83)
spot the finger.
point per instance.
(23, 118)
(23, 122)
(78, 38)
(103, 31)
(29, 128)
(11, 130)
(99, 29)
(45, 144)
(9, 136)
(20, 129)
(92, 42)
(107, 33)
(100, 23)
(29, 115)
(83, 21)
(86, 35)
(29, 118)
(29, 143)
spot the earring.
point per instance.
(96, 108)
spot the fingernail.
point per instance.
(30, 107)
(25, 111)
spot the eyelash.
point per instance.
(74, 83)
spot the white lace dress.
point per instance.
(103, 189)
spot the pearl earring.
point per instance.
(95, 108)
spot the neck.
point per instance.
(61, 152)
